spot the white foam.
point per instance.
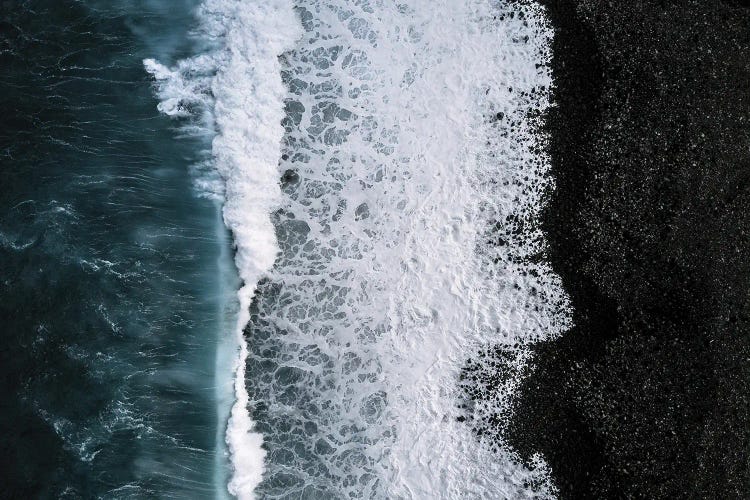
(388, 280)
(237, 89)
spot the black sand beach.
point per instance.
(648, 395)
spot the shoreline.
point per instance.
(647, 395)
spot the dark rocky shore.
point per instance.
(648, 396)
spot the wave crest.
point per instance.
(235, 92)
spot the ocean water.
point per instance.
(116, 277)
(248, 247)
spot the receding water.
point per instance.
(407, 154)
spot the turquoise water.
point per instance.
(116, 280)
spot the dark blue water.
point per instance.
(113, 273)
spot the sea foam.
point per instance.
(407, 229)
(415, 171)
(235, 91)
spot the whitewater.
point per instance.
(381, 169)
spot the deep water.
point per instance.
(114, 283)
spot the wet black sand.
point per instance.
(648, 396)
